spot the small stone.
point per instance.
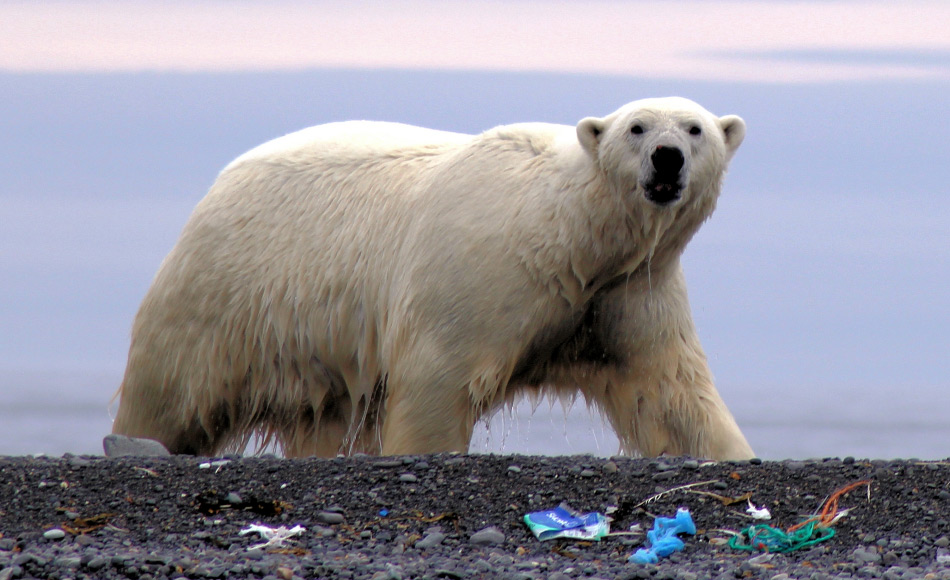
(587, 473)
(11, 572)
(514, 469)
(284, 573)
(794, 465)
(755, 461)
(431, 540)
(366, 535)
(54, 534)
(942, 542)
(849, 460)
(691, 464)
(121, 446)
(664, 475)
(77, 462)
(329, 518)
(7, 544)
(611, 467)
(233, 498)
(865, 556)
(408, 478)
(488, 536)
(388, 464)
(23, 559)
(96, 563)
(67, 562)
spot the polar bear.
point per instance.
(377, 287)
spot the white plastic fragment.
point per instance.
(838, 516)
(274, 536)
(761, 513)
(208, 465)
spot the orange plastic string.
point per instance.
(830, 507)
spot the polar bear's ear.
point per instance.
(589, 131)
(733, 131)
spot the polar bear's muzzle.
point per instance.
(664, 184)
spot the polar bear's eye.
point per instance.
(695, 130)
(636, 129)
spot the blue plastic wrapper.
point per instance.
(662, 538)
(565, 522)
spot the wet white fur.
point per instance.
(377, 287)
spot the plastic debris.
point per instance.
(768, 539)
(761, 513)
(802, 535)
(274, 536)
(565, 522)
(662, 540)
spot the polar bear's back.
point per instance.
(279, 248)
(355, 138)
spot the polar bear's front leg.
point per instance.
(660, 396)
(428, 407)
(418, 422)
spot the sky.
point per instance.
(818, 287)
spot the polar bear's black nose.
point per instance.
(667, 161)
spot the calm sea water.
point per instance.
(60, 412)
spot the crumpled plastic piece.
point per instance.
(565, 522)
(761, 513)
(662, 538)
(274, 536)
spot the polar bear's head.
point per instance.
(663, 151)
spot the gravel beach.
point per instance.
(455, 516)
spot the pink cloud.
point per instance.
(660, 39)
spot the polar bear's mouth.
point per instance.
(663, 192)
(664, 186)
